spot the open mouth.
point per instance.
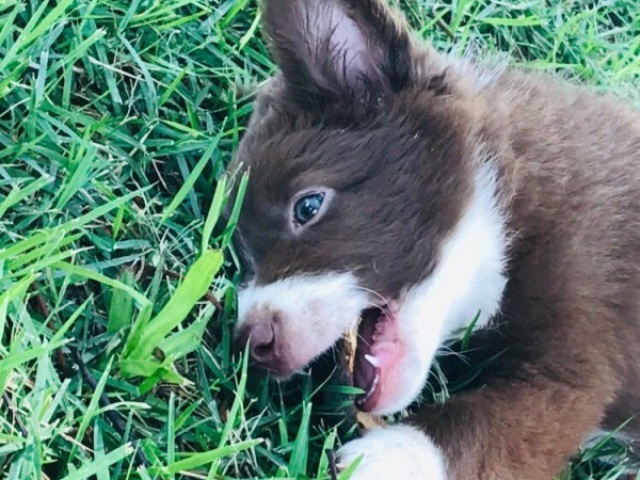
(377, 354)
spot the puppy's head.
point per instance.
(367, 205)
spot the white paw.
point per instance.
(398, 452)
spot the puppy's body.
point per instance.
(570, 315)
(386, 175)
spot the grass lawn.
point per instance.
(117, 119)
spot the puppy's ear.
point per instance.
(338, 48)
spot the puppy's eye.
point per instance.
(307, 207)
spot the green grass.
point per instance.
(117, 119)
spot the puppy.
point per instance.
(404, 192)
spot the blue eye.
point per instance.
(307, 207)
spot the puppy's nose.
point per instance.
(262, 343)
(262, 340)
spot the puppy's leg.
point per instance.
(394, 452)
(540, 402)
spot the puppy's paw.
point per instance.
(397, 452)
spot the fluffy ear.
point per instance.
(338, 47)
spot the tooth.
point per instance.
(372, 360)
(372, 389)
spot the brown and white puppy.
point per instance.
(411, 190)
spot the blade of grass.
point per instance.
(121, 308)
(98, 277)
(195, 284)
(191, 179)
(91, 469)
(199, 459)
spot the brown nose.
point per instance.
(262, 344)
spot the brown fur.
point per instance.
(570, 318)
(569, 163)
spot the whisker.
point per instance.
(385, 301)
